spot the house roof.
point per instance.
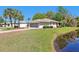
(43, 20)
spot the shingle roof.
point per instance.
(43, 20)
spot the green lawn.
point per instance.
(6, 28)
(31, 40)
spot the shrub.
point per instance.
(47, 26)
(51, 26)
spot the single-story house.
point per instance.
(23, 24)
(40, 23)
(4, 24)
(8, 24)
(35, 24)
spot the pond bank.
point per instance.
(58, 35)
(64, 39)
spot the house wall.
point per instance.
(54, 25)
(10, 25)
(23, 25)
(7, 25)
(40, 25)
(48, 24)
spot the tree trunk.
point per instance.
(11, 21)
(5, 23)
(18, 23)
(14, 22)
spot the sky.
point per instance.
(29, 11)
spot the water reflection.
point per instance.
(68, 42)
(72, 47)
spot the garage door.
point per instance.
(34, 25)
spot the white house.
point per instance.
(35, 24)
(8, 24)
(40, 23)
(23, 24)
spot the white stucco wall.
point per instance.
(23, 25)
(54, 25)
(40, 26)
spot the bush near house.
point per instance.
(47, 26)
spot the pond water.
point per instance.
(68, 42)
(71, 47)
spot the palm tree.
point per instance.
(15, 16)
(2, 21)
(28, 20)
(20, 17)
(13, 13)
(8, 13)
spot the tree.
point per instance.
(70, 22)
(2, 20)
(28, 19)
(16, 15)
(50, 14)
(39, 16)
(61, 14)
(20, 17)
(77, 19)
(65, 18)
(62, 10)
(8, 13)
(58, 17)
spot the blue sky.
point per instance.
(29, 11)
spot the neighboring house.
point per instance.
(22, 24)
(3, 24)
(40, 23)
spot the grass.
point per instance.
(32, 40)
(7, 28)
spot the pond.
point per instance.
(67, 42)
